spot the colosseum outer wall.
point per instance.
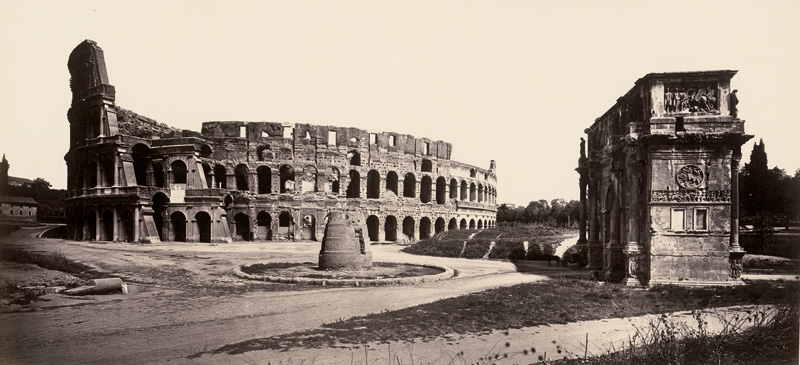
(133, 179)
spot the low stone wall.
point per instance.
(448, 273)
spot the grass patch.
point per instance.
(773, 339)
(51, 261)
(524, 305)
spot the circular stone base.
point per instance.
(380, 273)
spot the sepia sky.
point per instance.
(513, 81)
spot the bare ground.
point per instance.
(184, 300)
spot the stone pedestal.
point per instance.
(343, 246)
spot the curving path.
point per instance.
(193, 304)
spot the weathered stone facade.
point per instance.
(131, 178)
(661, 178)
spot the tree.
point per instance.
(40, 184)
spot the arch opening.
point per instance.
(425, 189)
(390, 228)
(373, 228)
(178, 221)
(264, 221)
(373, 184)
(264, 179)
(410, 186)
(242, 223)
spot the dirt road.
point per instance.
(183, 300)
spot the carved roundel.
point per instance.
(690, 177)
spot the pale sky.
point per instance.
(513, 81)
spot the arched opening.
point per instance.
(241, 177)
(158, 174)
(472, 192)
(453, 224)
(221, 175)
(309, 229)
(308, 183)
(285, 222)
(264, 221)
(91, 222)
(140, 158)
(354, 186)
(178, 221)
(178, 168)
(287, 179)
(264, 179)
(471, 172)
(242, 227)
(333, 180)
(427, 166)
(425, 189)
(354, 157)
(463, 224)
(439, 226)
(441, 190)
(391, 182)
(464, 190)
(480, 224)
(373, 227)
(126, 226)
(453, 189)
(480, 193)
(108, 172)
(471, 224)
(205, 151)
(408, 228)
(91, 174)
(160, 201)
(410, 186)
(390, 228)
(373, 185)
(107, 224)
(208, 175)
(424, 228)
(264, 154)
(203, 220)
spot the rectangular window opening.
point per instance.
(679, 125)
(426, 148)
(287, 132)
(701, 219)
(331, 138)
(392, 141)
(242, 131)
(373, 138)
(678, 220)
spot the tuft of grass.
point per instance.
(51, 261)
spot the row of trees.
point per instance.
(767, 197)
(557, 212)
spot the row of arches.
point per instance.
(408, 229)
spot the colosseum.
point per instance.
(132, 179)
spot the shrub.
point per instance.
(510, 248)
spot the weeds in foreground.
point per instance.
(753, 337)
